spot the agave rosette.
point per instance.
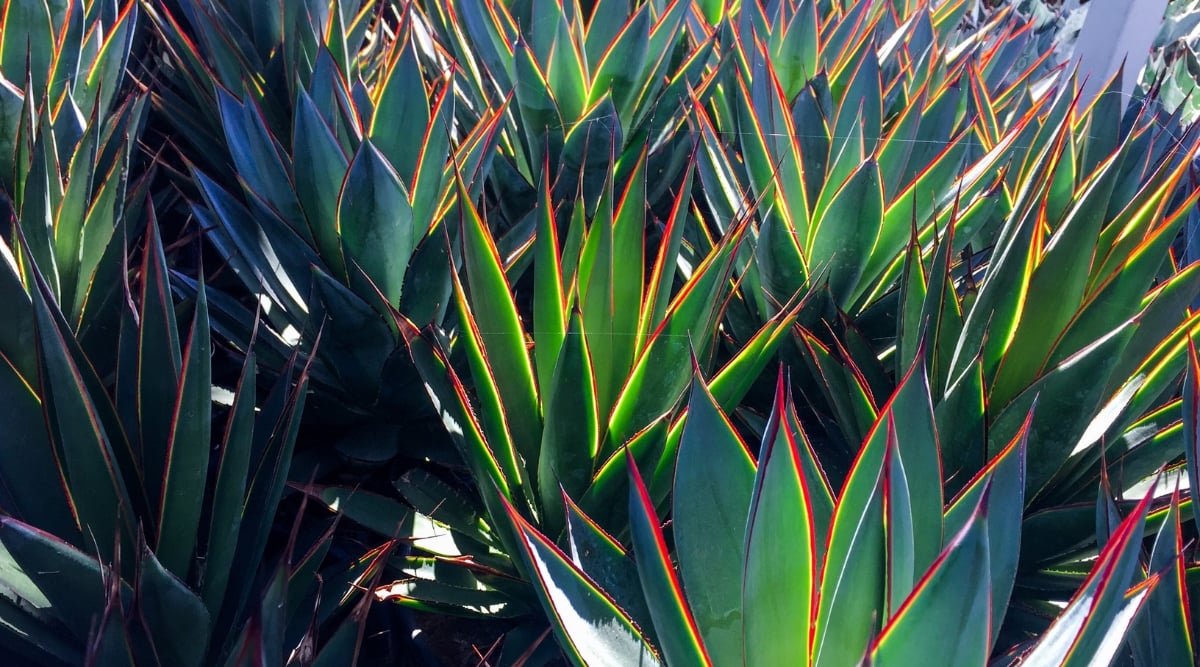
(603, 379)
(323, 213)
(871, 574)
(123, 535)
(1083, 312)
(323, 189)
(1067, 216)
(583, 88)
(1068, 292)
(881, 113)
(357, 81)
(69, 133)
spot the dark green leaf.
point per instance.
(229, 492)
(375, 221)
(604, 560)
(1004, 480)
(954, 593)
(320, 168)
(1162, 634)
(186, 472)
(714, 483)
(176, 618)
(571, 436)
(846, 232)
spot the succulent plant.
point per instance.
(907, 193)
(69, 133)
(647, 331)
(125, 533)
(771, 564)
(312, 186)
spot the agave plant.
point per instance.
(856, 131)
(604, 379)
(876, 573)
(585, 85)
(1081, 313)
(886, 113)
(313, 191)
(1067, 290)
(125, 540)
(124, 536)
(1074, 296)
(303, 209)
(68, 139)
(912, 143)
(337, 126)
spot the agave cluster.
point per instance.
(137, 513)
(689, 332)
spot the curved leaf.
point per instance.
(589, 625)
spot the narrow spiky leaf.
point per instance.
(186, 472)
